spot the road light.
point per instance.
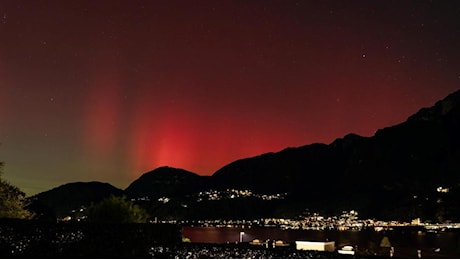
(241, 236)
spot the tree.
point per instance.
(385, 242)
(117, 210)
(12, 200)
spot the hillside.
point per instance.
(166, 181)
(71, 196)
(385, 174)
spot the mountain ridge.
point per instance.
(381, 175)
(165, 181)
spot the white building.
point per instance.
(316, 246)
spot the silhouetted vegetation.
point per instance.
(117, 210)
(12, 200)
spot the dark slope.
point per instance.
(166, 181)
(65, 198)
(382, 173)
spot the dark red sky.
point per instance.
(107, 90)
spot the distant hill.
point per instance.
(166, 182)
(65, 198)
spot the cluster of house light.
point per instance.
(19, 242)
(442, 190)
(234, 193)
(222, 195)
(348, 220)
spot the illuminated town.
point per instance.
(347, 220)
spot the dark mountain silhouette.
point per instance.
(167, 182)
(381, 174)
(65, 198)
(394, 174)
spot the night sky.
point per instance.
(108, 90)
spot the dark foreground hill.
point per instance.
(63, 199)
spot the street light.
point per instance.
(241, 236)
